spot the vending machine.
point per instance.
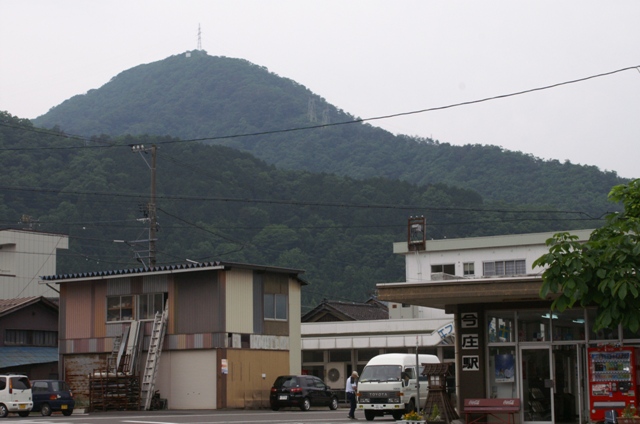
(612, 379)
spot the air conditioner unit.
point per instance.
(335, 375)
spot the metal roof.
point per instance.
(19, 355)
(168, 269)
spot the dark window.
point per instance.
(312, 356)
(60, 386)
(340, 356)
(20, 383)
(275, 306)
(40, 386)
(3, 383)
(447, 269)
(149, 304)
(31, 338)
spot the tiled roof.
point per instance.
(9, 305)
(16, 356)
(347, 311)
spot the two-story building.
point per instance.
(232, 328)
(29, 337)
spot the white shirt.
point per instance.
(351, 387)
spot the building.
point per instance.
(339, 337)
(231, 328)
(29, 337)
(331, 311)
(25, 256)
(509, 344)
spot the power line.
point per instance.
(326, 125)
(288, 202)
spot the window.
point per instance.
(40, 387)
(515, 267)
(31, 338)
(468, 268)
(138, 307)
(149, 304)
(275, 306)
(120, 308)
(447, 269)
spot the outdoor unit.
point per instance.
(336, 375)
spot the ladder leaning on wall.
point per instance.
(150, 370)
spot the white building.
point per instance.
(24, 257)
(509, 344)
(344, 336)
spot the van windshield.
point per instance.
(381, 373)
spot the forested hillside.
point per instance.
(235, 103)
(217, 203)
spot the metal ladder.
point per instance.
(153, 357)
(112, 361)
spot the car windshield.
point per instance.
(381, 373)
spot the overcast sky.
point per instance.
(369, 58)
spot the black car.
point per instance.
(52, 395)
(303, 391)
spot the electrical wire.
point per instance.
(312, 127)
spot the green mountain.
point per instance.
(235, 103)
(218, 203)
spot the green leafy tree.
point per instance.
(602, 272)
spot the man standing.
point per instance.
(352, 383)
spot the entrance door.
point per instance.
(568, 372)
(537, 384)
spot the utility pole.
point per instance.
(153, 224)
(151, 206)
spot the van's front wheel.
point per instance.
(412, 406)
(369, 415)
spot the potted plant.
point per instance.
(435, 417)
(629, 415)
(412, 417)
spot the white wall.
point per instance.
(477, 250)
(25, 256)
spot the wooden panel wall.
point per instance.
(246, 387)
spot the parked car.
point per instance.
(302, 391)
(15, 395)
(52, 395)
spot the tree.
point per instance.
(602, 272)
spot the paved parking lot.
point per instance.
(267, 416)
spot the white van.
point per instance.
(389, 385)
(15, 395)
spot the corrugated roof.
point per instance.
(19, 355)
(169, 269)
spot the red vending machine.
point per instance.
(612, 379)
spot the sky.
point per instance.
(369, 58)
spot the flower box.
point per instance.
(632, 420)
(411, 422)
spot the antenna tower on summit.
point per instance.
(199, 38)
